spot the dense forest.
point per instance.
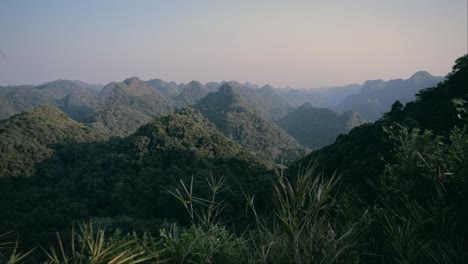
(132, 174)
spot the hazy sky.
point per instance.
(309, 43)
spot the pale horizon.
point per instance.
(298, 45)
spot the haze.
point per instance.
(300, 44)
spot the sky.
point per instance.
(301, 44)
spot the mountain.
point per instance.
(328, 97)
(316, 127)
(212, 86)
(118, 120)
(79, 103)
(236, 119)
(127, 105)
(362, 154)
(192, 93)
(264, 99)
(376, 96)
(125, 181)
(169, 89)
(26, 138)
(16, 99)
(95, 87)
(138, 95)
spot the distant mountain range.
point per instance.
(370, 100)
(375, 97)
(266, 120)
(116, 154)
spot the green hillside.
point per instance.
(123, 182)
(316, 127)
(26, 138)
(236, 119)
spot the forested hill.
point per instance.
(127, 105)
(192, 93)
(315, 127)
(124, 182)
(236, 119)
(16, 99)
(363, 153)
(265, 100)
(26, 138)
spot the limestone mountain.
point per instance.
(138, 95)
(127, 105)
(377, 96)
(363, 153)
(16, 99)
(326, 97)
(118, 120)
(272, 105)
(316, 127)
(212, 86)
(92, 86)
(169, 89)
(236, 119)
(192, 93)
(26, 138)
(79, 103)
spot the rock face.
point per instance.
(236, 119)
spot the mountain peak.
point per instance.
(194, 84)
(421, 74)
(131, 80)
(226, 89)
(192, 93)
(238, 120)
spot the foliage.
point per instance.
(364, 151)
(74, 98)
(192, 93)
(125, 181)
(25, 138)
(236, 119)
(423, 194)
(93, 247)
(316, 127)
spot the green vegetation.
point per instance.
(363, 153)
(26, 139)
(192, 93)
(236, 119)
(265, 100)
(179, 191)
(74, 98)
(124, 182)
(316, 127)
(127, 105)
